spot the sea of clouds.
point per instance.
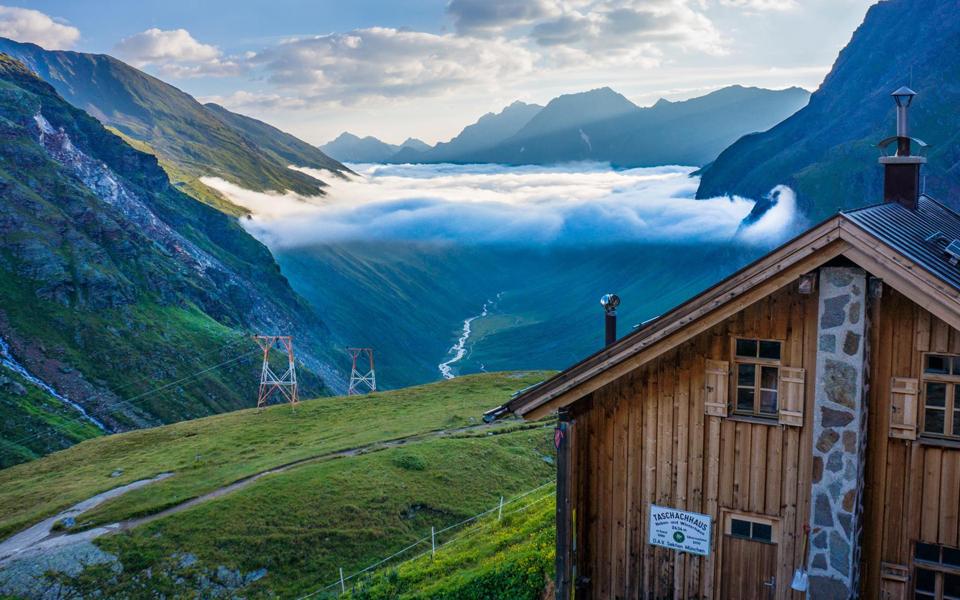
(585, 203)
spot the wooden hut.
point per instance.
(801, 417)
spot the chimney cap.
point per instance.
(610, 302)
(903, 96)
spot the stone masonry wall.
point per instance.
(839, 435)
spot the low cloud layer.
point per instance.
(26, 25)
(490, 204)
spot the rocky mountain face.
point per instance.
(116, 288)
(190, 140)
(827, 151)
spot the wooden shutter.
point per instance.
(716, 384)
(893, 581)
(791, 396)
(904, 397)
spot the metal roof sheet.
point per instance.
(907, 232)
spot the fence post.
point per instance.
(500, 512)
(343, 585)
(433, 542)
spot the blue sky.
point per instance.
(426, 68)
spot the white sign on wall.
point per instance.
(680, 530)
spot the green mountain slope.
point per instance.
(827, 151)
(351, 496)
(281, 146)
(190, 139)
(113, 283)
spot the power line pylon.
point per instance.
(358, 379)
(269, 381)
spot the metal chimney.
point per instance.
(901, 177)
(610, 302)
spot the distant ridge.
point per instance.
(597, 125)
(348, 147)
(191, 140)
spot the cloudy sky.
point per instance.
(426, 68)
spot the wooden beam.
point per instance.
(564, 525)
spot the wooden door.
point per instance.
(749, 562)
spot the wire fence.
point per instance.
(340, 585)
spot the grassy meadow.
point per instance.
(205, 454)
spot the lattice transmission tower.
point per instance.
(358, 379)
(270, 382)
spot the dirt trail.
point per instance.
(41, 537)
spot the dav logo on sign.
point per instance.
(680, 530)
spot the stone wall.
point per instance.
(839, 434)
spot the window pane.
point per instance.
(768, 402)
(951, 556)
(926, 581)
(936, 394)
(937, 364)
(928, 552)
(933, 420)
(740, 528)
(951, 586)
(762, 532)
(768, 378)
(746, 375)
(745, 398)
(747, 348)
(956, 365)
(770, 350)
(956, 422)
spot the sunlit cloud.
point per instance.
(177, 54)
(27, 25)
(490, 204)
(387, 63)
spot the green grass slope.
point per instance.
(288, 533)
(512, 557)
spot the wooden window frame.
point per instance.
(952, 383)
(758, 363)
(939, 568)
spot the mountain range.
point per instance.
(599, 125)
(350, 148)
(190, 139)
(827, 151)
(120, 291)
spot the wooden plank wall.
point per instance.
(644, 439)
(913, 489)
